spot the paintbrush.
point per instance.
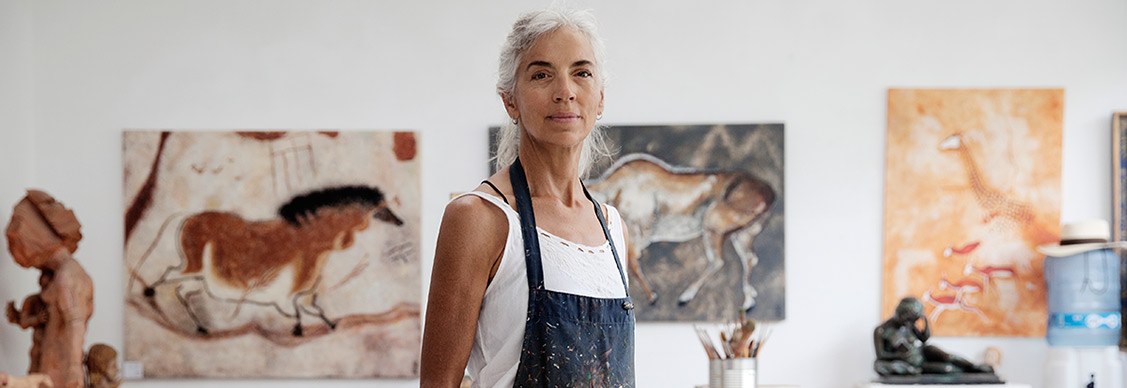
(763, 340)
(705, 341)
(748, 331)
(743, 348)
(727, 347)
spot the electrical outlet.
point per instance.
(133, 370)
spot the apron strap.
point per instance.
(527, 226)
(613, 251)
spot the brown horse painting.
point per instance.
(662, 203)
(275, 263)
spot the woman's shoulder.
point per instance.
(473, 229)
(484, 206)
(496, 190)
(474, 206)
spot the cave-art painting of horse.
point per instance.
(704, 206)
(272, 254)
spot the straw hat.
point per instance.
(1080, 237)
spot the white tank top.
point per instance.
(568, 267)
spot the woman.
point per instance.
(527, 286)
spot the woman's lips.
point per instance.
(564, 117)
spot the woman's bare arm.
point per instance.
(470, 243)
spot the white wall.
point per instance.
(820, 66)
(16, 160)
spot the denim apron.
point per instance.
(570, 340)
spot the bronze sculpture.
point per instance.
(902, 350)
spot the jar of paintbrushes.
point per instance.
(733, 352)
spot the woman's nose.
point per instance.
(564, 91)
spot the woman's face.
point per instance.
(558, 95)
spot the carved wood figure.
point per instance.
(32, 381)
(33, 315)
(101, 367)
(43, 234)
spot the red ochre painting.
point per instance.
(972, 187)
(272, 254)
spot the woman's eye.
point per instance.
(539, 76)
(584, 73)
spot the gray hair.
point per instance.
(526, 30)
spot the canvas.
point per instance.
(272, 254)
(972, 187)
(1119, 204)
(704, 205)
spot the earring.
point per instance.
(599, 117)
(514, 121)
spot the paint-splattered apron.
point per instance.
(570, 340)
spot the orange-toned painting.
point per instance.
(972, 187)
(271, 254)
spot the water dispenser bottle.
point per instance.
(1083, 299)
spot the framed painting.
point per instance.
(272, 254)
(1119, 202)
(704, 205)
(972, 187)
(1119, 172)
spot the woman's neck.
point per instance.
(552, 172)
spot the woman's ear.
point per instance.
(602, 98)
(510, 105)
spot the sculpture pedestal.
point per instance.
(943, 379)
(1076, 366)
(879, 385)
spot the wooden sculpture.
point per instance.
(43, 234)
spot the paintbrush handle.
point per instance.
(704, 341)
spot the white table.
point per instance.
(879, 385)
(776, 386)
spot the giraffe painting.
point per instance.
(992, 200)
(972, 187)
